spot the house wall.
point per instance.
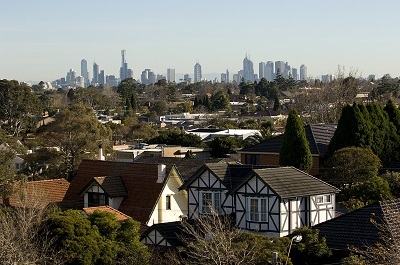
(256, 188)
(207, 182)
(322, 211)
(179, 202)
(294, 213)
(155, 238)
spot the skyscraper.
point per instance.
(295, 76)
(84, 73)
(171, 75)
(124, 71)
(227, 76)
(95, 73)
(223, 78)
(248, 70)
(102, 78)
(279, 67)
(197, 73)
(303, 72)
(261, 70)
(269, 71)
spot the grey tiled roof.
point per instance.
(289, 182)
(318, 137)
(113, 185)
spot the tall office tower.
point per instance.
(261, 70)
(102, 78)
(197, 73)
(372, 78)
(279, 67)
(124, 71)
(286, 73)
(269, 71)
(170, 75)
(227, 76)
(80, 81)
(303, 72)
(72, 75)
(223, 78)
(248, 71)
(236, 78)
(95, 74)
(84, 73)
(160, 77)
(68, 78)
(111, 80)
(144, 78)
(295, 76)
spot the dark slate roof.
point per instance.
(186, 166)
(170, 231)
(289, 182)
(352, 229)
(140, 181)
(229, 174)
(112, 185)
(318, 137)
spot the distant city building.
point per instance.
(148, 77)
(236, 78)
(295, 76)
(102, 78)
(227, 76)
(286, 72)
(279, 67)
(372, 78)
(84, 73)
(327, 78)
(261, 70)
(111, 80)
(96, 72)
(170, 75)
(80, 81)
(124, 71)
(303, 72)
(223, 78)
(197, 73)
(248, 70)
(161, 77)
(186, 78)
(269, 71)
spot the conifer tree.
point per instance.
(295, 149)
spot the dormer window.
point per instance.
(96, 196)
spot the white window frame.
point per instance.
(215, 202)
(323, 199)
(257, 209)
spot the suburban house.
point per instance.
(270, 200)
(267, 152)
(146, 192)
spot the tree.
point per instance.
(220, 101)
(18, 106)
(77, 133)
(176, 137)
(223, 145)
(97, 238)
(160, 107)
(295, 149)
(351, 165)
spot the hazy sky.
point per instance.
(43, 39)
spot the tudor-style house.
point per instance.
(270, 200)
(149, 193)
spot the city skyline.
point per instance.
(42, 40)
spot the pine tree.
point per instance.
(295, 149)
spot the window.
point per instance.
(168, 202)
(211, 200)
(252, 159)
(97, 199)
(323, 199)
(257, 209)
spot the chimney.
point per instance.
(162, 172)
(101, 156)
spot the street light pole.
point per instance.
(296, 239)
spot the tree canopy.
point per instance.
(295, 149)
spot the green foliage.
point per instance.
(354, 260)
(295, 150)
(96, 238)
(19, 107)
(393, 179)
(312, 249)
(160, 107)
(220, 101)
(351, 165)
(77, 133)
(176, 137)
(223, 145)
(373, 190)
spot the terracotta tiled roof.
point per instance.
(47, 191)
(120, 216)
(140, 182)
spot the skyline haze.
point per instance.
(42, 40)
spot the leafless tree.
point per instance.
(212, 239)
(22, 240)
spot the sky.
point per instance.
(43, 39)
